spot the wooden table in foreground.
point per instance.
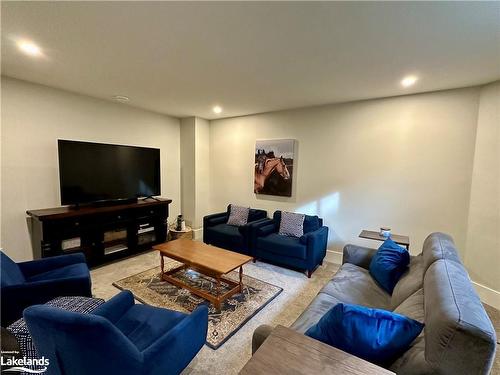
(208, 260)
(286, 351)
(373, 235)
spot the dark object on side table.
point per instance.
(119, 337)
(217, 232)
(306, 252)
(38, 281)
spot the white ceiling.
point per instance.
(250, 57)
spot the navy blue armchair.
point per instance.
(38, 281)
(306, 252)
(216, 232)
(119, 337)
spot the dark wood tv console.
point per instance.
(103, 233)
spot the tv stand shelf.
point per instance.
(84, 229)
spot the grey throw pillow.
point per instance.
(291, 224)
(238, 215)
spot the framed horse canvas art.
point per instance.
(274, 160)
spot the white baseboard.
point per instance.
(488, 295)
(333, 257)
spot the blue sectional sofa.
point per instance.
(38, 281)
(119, 337)
(305, 253)
(217, 232)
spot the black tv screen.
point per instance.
(92, 172)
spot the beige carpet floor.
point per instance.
(298, 292)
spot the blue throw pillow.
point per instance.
(378, 336)
(388, 264)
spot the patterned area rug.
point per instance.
(150, 289)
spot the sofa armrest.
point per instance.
(248, 227)
(260, 335)
(116, 307)
(34, 293)
(35, 267)
(265, 228)
(177, 347)
(255, 214)
(316, 242)
(358, 255)
(215, 219)
(310, 237)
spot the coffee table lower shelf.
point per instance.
(236, 287)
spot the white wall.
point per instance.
(405, 162)
(34, 117)
(202, 171)
(483, 236)
(195, 171)
(188, 163)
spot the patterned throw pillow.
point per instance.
(238, 215)
(292, 224)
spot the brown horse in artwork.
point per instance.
(270, 165)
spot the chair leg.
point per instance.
(254, 260)
(309, 273)
(321, 263)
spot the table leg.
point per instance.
(218, 286)
(162, 264)
(218, 293)
(241, 279)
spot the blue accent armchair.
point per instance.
(216, 232)
(38, 281)
(306, 252)
(119, 337)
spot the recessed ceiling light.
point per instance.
(408, 81)
(217, 109)
(29, 48)
(120, 98)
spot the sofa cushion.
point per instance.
(413, 306)
(283, 245)
(460, 338)
(73, 270)
(291, 224)
(413, 362)
(411, 281)
(388, 264)
(225, 233)
(376, 335)
(313, 313)
(354, 284)
(438, 246)
(143, 324)
(311, 223)
(238, 215)
(10, 273)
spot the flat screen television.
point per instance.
(94, 172)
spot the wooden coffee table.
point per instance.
(206, 259)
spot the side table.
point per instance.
(287, 351)
(174, 234)
(398, 238)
